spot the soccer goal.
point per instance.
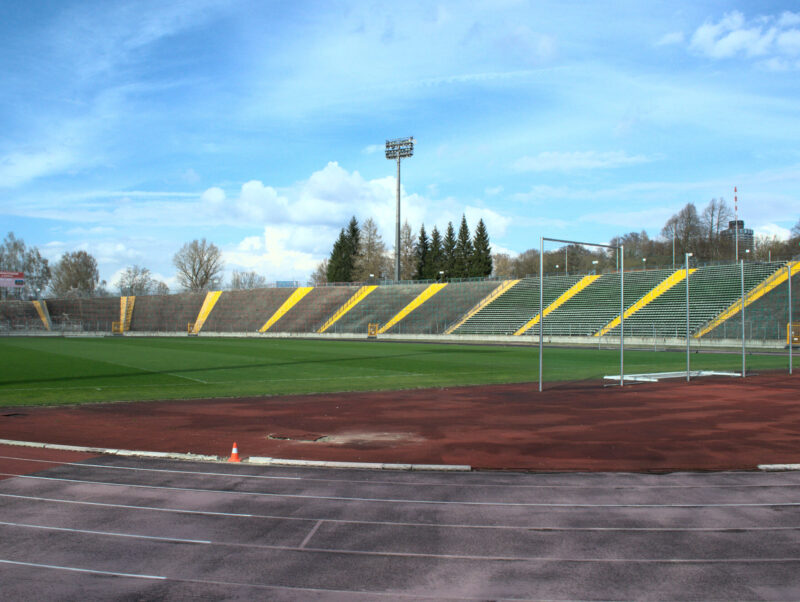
(620, 250)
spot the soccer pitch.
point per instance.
(50, 371)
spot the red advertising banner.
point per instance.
(12, 279)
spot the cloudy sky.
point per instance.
(129, 128)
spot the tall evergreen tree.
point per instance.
(344, 255)
(337, 270)
(435, 255)
(352, 248)
(463, 251)
(449, 252)
(423, 255)
(481, 264)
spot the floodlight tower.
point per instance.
(399, 148)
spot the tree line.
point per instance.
(359, 254)
(198, 264)
(702, 233)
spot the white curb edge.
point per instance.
(266, 461)
(778, 467)
(255, 460)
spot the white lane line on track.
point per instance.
(81, 464)
(736, 529)
(406, 501)
(78, 570)
(369, 595)
(466, 557)
(311, 534)
(107, 533)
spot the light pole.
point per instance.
(594, 263)
(688, 255)
(399, 148)
(644, 263)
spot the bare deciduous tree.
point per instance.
(371, 258)
(408, 256)
(136, 280)
(199, 264)
(16, 257)
(75, 275)
(320, 275)
(247, 280)
(502, 265)
(713, 221)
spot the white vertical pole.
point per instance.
(397, 231)
(687, 319)
(736, 220)
(789, 273)
(541, 308)
(621, 252)
(743, 345)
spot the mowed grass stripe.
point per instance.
(71, 365)
(75, 370)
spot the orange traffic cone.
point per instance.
(234, 454)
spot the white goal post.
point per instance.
(620, 267)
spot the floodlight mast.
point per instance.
(399, 148)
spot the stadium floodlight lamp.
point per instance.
(644, 262)
(396, 149)
(400, 148)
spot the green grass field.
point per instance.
(49, 371)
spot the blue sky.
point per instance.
(130, 128)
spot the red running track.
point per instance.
(709, 424)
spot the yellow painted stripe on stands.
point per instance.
(774, 280)
(563, 298)
(659, 290)
(42, 315)
(349, 304)
(504, 286)
(126, 325)
(293, 299)
(208, 304)
(421, 298)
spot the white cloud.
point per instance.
(20, 167)
(496, 223)
(569, 161)
(493, 190)
(769, 38)
(273, 255)
(771, 229)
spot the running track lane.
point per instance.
(116, 527)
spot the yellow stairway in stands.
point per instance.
(208, 304)
(659, 290)
(502, 288)
(293, 299)
(563, 298)
(126, 312)
(44, 315)
(357, 298)
(421, 298)
(776, 279)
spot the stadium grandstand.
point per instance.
(579, 306)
